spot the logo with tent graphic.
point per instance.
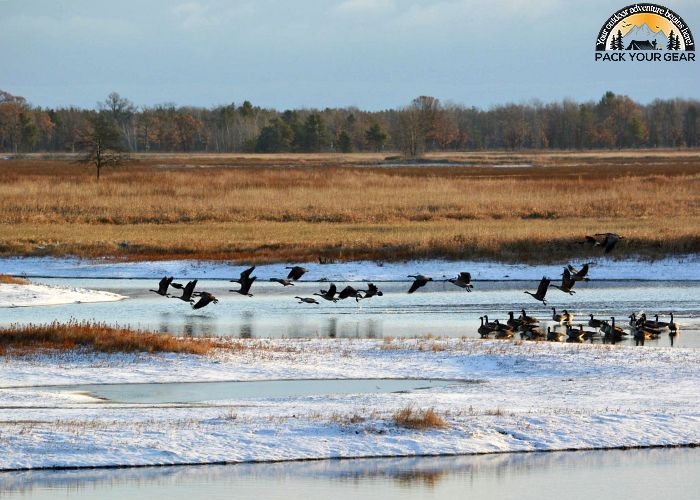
(645, 32)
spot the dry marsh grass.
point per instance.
(301, 207)
(412, 418)
(24, 339)
(12, 280)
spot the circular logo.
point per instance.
(645, 26)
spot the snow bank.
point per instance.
(535, 396)
(672, 268)
(46, 295)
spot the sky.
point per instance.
(373, 54)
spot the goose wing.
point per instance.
(542, 288)
(246, 274)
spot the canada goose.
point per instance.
(574, 334)
(541, 290)
(419, 281)
(504, 334)
(245, 275)
(187, 291)
(654, 324)
(673, 330)
(463, 280)
(349, 291)
(306, 300)
(579, 275)
(371, 291)
(512, 321)
(163, 286)
(530, 320)
(484, 330)
(503, 328)
(588, 241)
(245, 286)
(490, 324)
(609, 241)
(612, 333)
(673, 326)
(588, 334)
(639, 335)
(282, 281)
(567, 282)
(296, 272)
(328, 294)
(205, 298)
(595, 323)
(530, 332)
(561, 318)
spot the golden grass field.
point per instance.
(301, 207)
(26, 339)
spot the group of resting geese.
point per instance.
(640, 328)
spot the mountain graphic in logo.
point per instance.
(644, 36)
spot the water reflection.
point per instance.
(542, 476)
(439, 309)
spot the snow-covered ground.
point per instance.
(48, 295)
(672, 268)
(534, 396)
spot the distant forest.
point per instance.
(425, 124)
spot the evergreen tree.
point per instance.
(671, 41)
(376, 137)
(344, 142)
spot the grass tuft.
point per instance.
(12, 280)
(411, 418)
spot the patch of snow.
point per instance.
(536, 396)
(12, 295)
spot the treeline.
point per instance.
(426, 124)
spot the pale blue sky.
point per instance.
(373, 54)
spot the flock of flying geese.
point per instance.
(641, 328)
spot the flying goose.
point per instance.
(371, 291)
(187, 292)
(567, 282)
(419, 281)
(245, 275)
(579, 275)
(463, 280)
(245, 286)
(306, 300)
(296, 272)
(541, 290)
(328, 294)
(349, 291)
(609, 241)
(205, 298)
(282, 281)
(164, 284)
